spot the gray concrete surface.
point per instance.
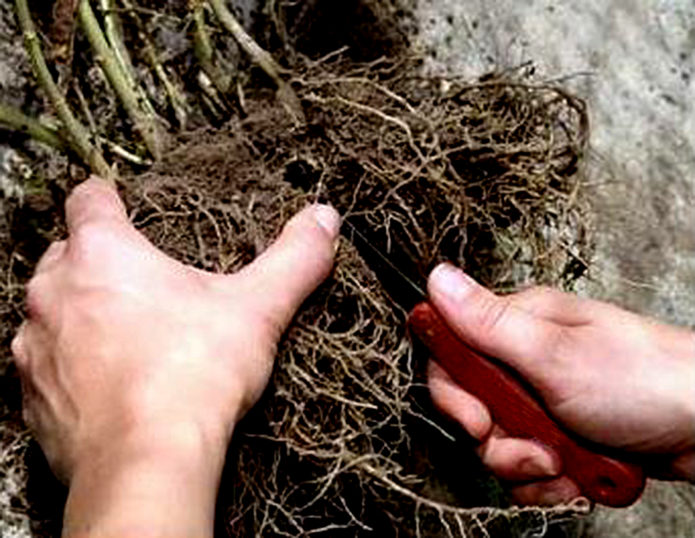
(634, 62)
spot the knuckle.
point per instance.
(16, 346)
(92, 237)
(92, 230)
(35, 296)
(19, 352)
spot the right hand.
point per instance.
(606, 374)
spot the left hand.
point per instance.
(129, 357)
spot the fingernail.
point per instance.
(328, 218)
(450, 282)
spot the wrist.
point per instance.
(148, 484)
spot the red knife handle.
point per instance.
(601, 479)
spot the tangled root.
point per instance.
(485, 175)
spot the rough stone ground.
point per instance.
(634, 62)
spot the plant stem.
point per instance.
(16, 120)
(78, 134)
(260, 56)
(85, 108)
(114, 34)
(211, 97)
(126, 155)
(176, 99)
(204, 50)
(128, 95)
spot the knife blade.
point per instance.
(601, 477)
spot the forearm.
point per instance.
(146, 487)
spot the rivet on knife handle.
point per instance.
(601, 479)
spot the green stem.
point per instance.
(114, 34)
(260, 56)
(16, 120)
(176, 99)
(78, 134)
(204, 50)
(128, 95)
(211, 97)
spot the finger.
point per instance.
(553, 305)
(19, 347)
(518, 460)
(29, 348)
(95, 200)
(457, 404)
(41, 299)
(546, 493)
(494, 325)
(299, 260)
(51, 257)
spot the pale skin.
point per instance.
(609, 375)
(136, 368)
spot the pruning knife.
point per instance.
(601, 477)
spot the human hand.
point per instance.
(606, 374)
(135, 368)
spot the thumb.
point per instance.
(294, 265)
(94, 200)
(493, 324)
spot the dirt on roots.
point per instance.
(485, 174)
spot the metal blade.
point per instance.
(400, 287)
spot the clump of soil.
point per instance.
(484, 174)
